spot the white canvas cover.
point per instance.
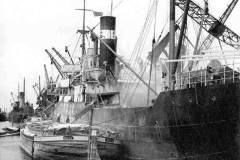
(70, 68)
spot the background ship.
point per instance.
(21, 109)
(3, 115)
(196, 116)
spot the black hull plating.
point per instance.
(203, 121)
(195, 123)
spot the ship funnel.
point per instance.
(21, 99)
(22, 95)
(107, 34)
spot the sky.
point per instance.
(27, 27)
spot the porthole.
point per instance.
(213, 98)
(190, 99)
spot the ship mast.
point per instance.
(39, 84)
(24, 94)
(83, 28)
(111, 7)
(172, 41)
(182, 32)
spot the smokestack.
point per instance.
(107, 34)
(22, 95)
(39, 84)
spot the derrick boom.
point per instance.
(56, 64)
(61, 57)
(46, 75)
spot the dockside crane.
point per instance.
(208, 41)
(212, 25)
(61, 57)
(56, 64)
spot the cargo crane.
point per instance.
(61, 57)
(46, 75)
(206, 44)
(213, 26)
(208, 41)
(67, 51)
(56, 64)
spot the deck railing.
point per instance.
(225, 74)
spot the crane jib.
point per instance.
(211, 24)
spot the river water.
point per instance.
(10, 148)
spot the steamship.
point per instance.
(3, 116)
(21, 109)
(194, 116)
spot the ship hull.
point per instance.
(60, 147)
(192, 123)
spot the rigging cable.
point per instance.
(137, 52)
(139, 41)
(147, 63)
(142, 35)
(139, 45)
(152, 55)
(77, 44)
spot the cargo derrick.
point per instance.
(56, 64)
(61, 57)
(46, 76)
(67, 51)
